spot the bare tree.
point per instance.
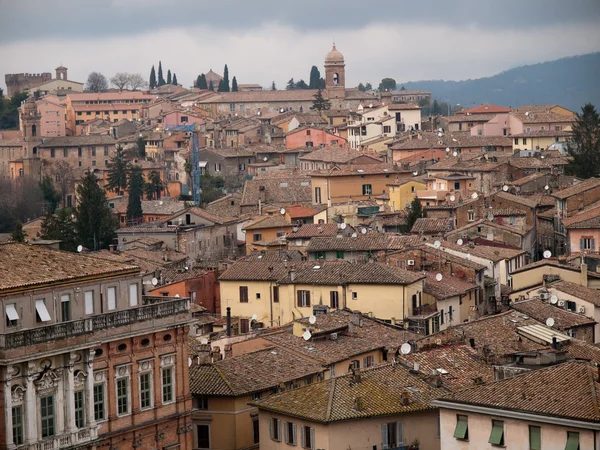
(121, 80)
(65, 179)
(96, 82)
(137, 81)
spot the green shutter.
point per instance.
(535, 438)
(461, 430)
(497, 435)
(572, 441)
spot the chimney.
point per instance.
(405, 398)
(554, 342)
(356, 318)
(356, 374)
(584, 274)
(228, 321)
(292, 273)
(228, 351)
(111, 248)
(358, 404)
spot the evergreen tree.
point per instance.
(368, 87)
(301, 84)
(315, 76)
(49, 193)
(141, 147)
(320, 103)
(152, 78)
(60, 226)
(584, 144)
(414, 211)
(154, 186)
(136, 189)
(225, 79)
(117, 171)
(211, 86)
(175, 79)
(161, 80)
(291, 84)
(17, 235)
(169, 80)
(95, 224)
(435, 108)
(273, 87)
(201, 82)
(361, 87)
(234, 85)
(387, 84)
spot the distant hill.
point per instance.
(570, 82)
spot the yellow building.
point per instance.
(402, 193)
(277, 293)
(261, 232)
(538, 140)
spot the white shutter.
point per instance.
(303, 436)
(133, 295)
(271, 428)
(89, 302)
(312, 438)
(11, 312)
(295, 440)
(286, 438)
(40, 307)
(112, 298)
(400, 433)
(384, 436)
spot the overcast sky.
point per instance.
(265, 40)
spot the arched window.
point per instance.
(21, 172)
(336, 79)
(35, 150)
(33, 130)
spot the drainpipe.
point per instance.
(228, 321)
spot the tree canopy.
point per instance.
(584, 145)
(154, 186)
(96, 82)
(201, 82)
(152, 82)
(387, 84)
(136, 190)
(414, 211)
(320, 103)
(169, 79)
(9, 110)
(234, 85)
(161, 80)
(175, 79)
(117, 171)
(315, 77)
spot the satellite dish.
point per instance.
(363, 230)
(177, 295)
(189, 362)
(282, 211)
(454, 153)
(546, 187)
(354, 235)
(554, 299)
(204, 341)
(549, 322)
(254, 316)
(474, 195)
(547, 254)
(439, 277)
(312, 320)
(437, 244)
(452, 198)
(459, 242)
(154, 281)
(405, 348)
(79, 248)
(490, 217)
(440, 129)
(265, 158)
(306, 336)
(447, 149)
(415, 173)
(343, 225)
(505, 188)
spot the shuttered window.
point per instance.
(303, 299)
(243, 294)
(572, 440)
(462, 427)
(497, 434)
(535, 438)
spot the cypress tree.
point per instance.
(152, 78)
(136, 190)
(211, 86)
(273, 87)
(225, 79)
(584, 144)
(315, 76)
(201, 82)
(234, 85)
(17, 235)
(175, 79)
(320, 103)
(169, 80)
(154, 186)
(161, 80)
(117, 171)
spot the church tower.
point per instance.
(30, 120)
(335, 75)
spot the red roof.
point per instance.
(485, 109)
(299, 211)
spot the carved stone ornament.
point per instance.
(17, 393)
(99, 376)
(122, 371)
(48, 381)
(146, 365)
(166, 360)
(79, 379)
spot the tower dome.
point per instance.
(334, 56)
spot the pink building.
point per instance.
(311, 137)
(53, 117)
(181, 118)
(584, 231)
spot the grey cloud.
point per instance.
(89, 19)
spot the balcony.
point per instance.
(154, 312)
(80, 437)
(423, 311)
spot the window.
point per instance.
(387, 129)
(217, 167)
(571, 306)
(52, 153)
(497, 434)
(89, 302)
(471, 215)
(290, 433)
(281, 234)
(145, 390)
(308, 437)
(442, 316)
(516, 141)
(79, 409)
(203, 436)
(334, 302)
(244, 325)
(368, 361)
(65, 152)
(354, 295)
(339, 254)
(392, 434)
(93, 163)
(275, 429)
(93, 151)
(320, 255)
(535, 438)
(255, 430)
(462, 427)
(243, 294)
(276, 294)
(587, 243)
(367, 189)
(257, 237)
(524, 141)
(12, 317)
(450, 313)
(303, 299)
(41, 313)
(65, 307)
(99, 408)
(572, 440)
(242, 167)
(167, 385)
(47, 415)
(17, 424)
(122, 396)
(133, 294)
(201, 402)
(111, 294)
(317, 195)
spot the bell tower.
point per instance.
(335, 74)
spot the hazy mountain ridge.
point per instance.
(570, 82)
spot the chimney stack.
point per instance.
(584, 274)
(228, 321)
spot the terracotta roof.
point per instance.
(379, 390)
(333, 154)
(510, 211)
(111, 96)
(568, 390)
(542, 117)
(367, 242)
(229, 152)
(485, 109)
(311, 230)
(275, 221)
(27, 266)
(542, 310)
(75, 141)
(542, 133)
(251, 372)
(448, 287)
(589, 218)
(306, 95)
(255, 270)
(200, 212)
(279, 189)
(174, 275)
(524, 180)
(590, 183)
(358, 170)
(402, 242)
(432, 225)
(299, 211)
(492, 224)
(483, 251)
(469, 118)
(583, 292)
(402, 107)
(538, 163)
(165, 206)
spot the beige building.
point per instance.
(53, 117)
(378, 408)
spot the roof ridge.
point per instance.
(224, 379)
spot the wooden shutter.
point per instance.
(593, 244)
(303, 437)
(299, 301)
(581, 241)
(384, 436)
(271, 434)
(312, 438)
(307, 298)
(286, 437)
(243, 294)
(400, 434)
(294, 438)
(276, 294)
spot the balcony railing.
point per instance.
(424, 310)
(80, 437)
(154, 308)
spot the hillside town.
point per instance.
(233, 266)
